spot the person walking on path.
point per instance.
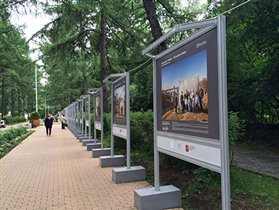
(48, 124)
(63, 121)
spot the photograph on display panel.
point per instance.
(185, 92)
(98, 107)
(119, 102)
(80, 112)
(187, 87)
(75, 111)
(87, 111)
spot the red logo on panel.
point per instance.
(187, 148)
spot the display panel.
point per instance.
(76, 111)
(119, 102)
(187, 89)
(87, 111)
(80, 111)
(98, 106)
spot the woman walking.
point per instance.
(48, 124)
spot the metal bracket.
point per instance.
(178, 28)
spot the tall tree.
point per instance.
(154, 23)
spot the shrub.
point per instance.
(10, 138)
(16, 119)
(236, 128)
(34, 116)
(141, 130)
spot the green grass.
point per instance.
(201, 188)
(257, 187)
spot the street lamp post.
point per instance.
(36, 87)
(45, 107)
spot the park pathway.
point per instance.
(56, 172)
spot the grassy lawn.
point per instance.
(258, 191)
(201, 188)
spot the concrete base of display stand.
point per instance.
(91, 146)
(87, 141)
(74, 132)
(109, 161)
(101, 152)
(150, 199)
(123, 175)
(81, 138)
(79, 135)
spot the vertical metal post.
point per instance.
(77, 114)
(89, 117)
(156, 152)
(36, 87)
(75, 107)
(102, 118)
(222, 74)
(111, 132)
(128, 120)
(94, 111)
(77, 120)
(45, 107)
(85, 127)
(82, 116)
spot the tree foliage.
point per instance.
(76, 56)
(253, 65)
(87, 40)
(15, 69)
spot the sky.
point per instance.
(30, 23)
(194, 65)
(120, 91)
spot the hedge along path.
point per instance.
(56, 172)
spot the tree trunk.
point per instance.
(18, 102)
(3, 106)
(156, 29)
(13, 100)
(103, 57)
(85, 81)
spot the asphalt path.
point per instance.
(259, 161)
(14, 125)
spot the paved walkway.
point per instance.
(262, 162)
(14, 125)
(56, 172)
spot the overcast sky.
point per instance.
(30, 20)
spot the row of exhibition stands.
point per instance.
(204, 143)
(78, 115)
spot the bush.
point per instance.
(34, 116)
(141, 130)
(10, 138)
(16, 119)
(236, 128)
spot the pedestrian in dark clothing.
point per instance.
(182, 102)
(176, 104)
(48, 124)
